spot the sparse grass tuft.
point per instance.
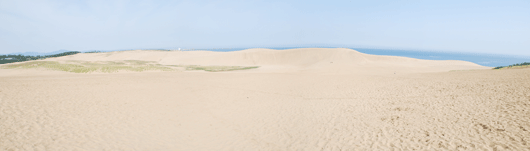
(215, 68)
(137, 62)
(115, 66)
(87, 67)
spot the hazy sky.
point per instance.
(498, 27)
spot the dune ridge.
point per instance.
(338, 60)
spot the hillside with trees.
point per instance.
(19, 58)
(514, 65)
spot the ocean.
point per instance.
(489, 60)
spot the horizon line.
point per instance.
(282, 48)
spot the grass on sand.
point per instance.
(115, 66)
(215, 68)
(87, 67)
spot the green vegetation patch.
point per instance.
(115, 66)
(4, 59)
(87, 67)
(215, 68)
(518, 65)
(94, 51)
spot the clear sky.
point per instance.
(497, 27)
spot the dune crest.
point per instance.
(334, 60)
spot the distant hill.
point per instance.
(524, 64)
(20, 58)
(37, 53)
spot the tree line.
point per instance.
(513, 65)
(19, 58)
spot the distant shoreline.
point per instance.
(490, 60)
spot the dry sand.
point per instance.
(299, 99)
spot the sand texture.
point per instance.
(297, 99)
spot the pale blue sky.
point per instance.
(497, 27)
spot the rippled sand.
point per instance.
(326, 99)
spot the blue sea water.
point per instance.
(489, 60)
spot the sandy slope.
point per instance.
(326, 60)
(354, 103)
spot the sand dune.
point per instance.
(299, 99)
(340, 60)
